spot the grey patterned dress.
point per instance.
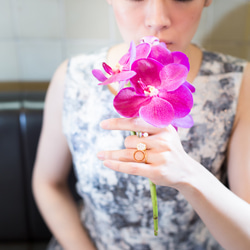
(117, 209)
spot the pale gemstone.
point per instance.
(141, 146)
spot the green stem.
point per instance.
(155, 207)
(154, 200)
(132, 132)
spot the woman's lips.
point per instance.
(166, 42)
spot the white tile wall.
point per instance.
(39, 58)
(37, 35)
(37, 18)
(82, 19)
(9, 66)
(229, 20)
(248, 23)
(6, 27)
(73, 47)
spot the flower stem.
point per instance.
(153, 196)
(155, 207)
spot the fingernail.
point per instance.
(100, 155)
(104, 124)
(108, 164)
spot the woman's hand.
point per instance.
(167, 162)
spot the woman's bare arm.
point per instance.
(51, 170)
(225, 212)
(238, 157)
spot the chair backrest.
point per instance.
(21, 114)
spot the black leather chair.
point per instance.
(21, 226)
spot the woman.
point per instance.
(196, 211)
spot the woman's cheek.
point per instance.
(130, 22)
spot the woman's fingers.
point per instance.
(132, 168)
(151, 142)
(125, 155)
(129, 155)
(118, 155)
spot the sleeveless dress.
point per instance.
(117, 211)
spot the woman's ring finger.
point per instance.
(140, 153)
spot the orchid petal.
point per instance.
(181, 99)
(127, 103)
(158, 112)
(107, 68)
(163, 45)
(124, 61)
(142, 51)
(181, 58)
(184, 122)
(173, 75)
(122, 84)
(147, 71)
(189, 86)
(129, 57)
(98, 74)
(135, 53)
(161, 54)
(132, 52)
(125, 75)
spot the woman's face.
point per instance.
(172, 21)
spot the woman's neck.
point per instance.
(194, 54)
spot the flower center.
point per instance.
(151, 91)
(117, 69)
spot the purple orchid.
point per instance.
(162, 54)
(159, 94)
(121, 72)
(117, 74)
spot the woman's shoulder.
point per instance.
(219, 63)
(72, 70)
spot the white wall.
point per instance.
(37, 35)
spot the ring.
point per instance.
(141, 134)
(141, 150)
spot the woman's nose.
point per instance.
(157, 16)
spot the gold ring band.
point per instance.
(141, 159)
(141, 134)
(141, 149)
